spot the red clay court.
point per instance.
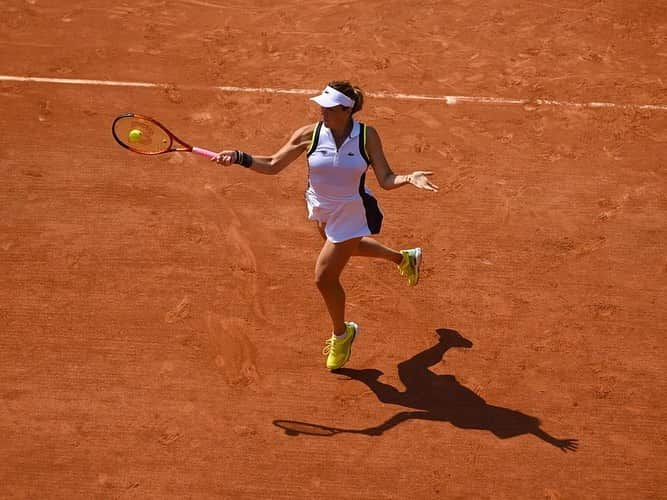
(161, 331)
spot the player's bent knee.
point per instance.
(326, 280)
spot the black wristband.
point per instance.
(243, 159)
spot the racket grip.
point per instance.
(204, 152)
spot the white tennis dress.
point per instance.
(337, 194)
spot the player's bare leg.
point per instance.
(330, 264)
(369, 247)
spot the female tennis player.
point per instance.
(339, 151)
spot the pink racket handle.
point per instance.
(204, 152)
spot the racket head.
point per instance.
(145, 135)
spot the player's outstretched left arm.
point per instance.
(385, 176)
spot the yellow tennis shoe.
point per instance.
(338, 351)
(412, 260)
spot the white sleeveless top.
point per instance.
(337, 175)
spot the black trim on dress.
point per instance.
(315, 140)
(362, 143)
(373, 214)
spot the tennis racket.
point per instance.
(147, 136)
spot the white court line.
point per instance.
(446, 99)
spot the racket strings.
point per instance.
(142, 136)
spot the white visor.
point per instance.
(331, 97)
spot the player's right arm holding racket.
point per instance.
(270, 165)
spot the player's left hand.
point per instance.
(420, 180)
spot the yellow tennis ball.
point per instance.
(135, 135)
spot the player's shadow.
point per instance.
(442, 398)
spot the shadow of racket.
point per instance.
(295, 428)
